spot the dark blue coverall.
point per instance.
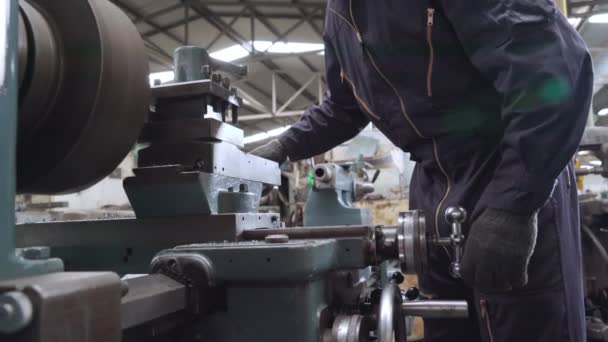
(490, 97)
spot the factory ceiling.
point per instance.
(286, 60)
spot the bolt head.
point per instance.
(398, 277)
(412, 293)
(36, 253)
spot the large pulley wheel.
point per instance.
(84, 93)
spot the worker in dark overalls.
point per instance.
(490, 97)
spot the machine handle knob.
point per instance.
(455, 215)
(412, 293)
(375, 176)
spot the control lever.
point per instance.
(412, 242)
(391, 321)
(455, 216)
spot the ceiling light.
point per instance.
(583, 153)
(574, 21)
(281, 47)
(595, 162)
(265, 135)
(255, 138)
(603, 112)
(599, 18)
(230, 54)
(235, 52)
(262, 45)
(277, 131)
(163, 77)
(587, 167)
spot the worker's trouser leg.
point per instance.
(548, 309)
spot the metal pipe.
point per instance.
(296, 94)
(323, 173)
(391, 320)
(430, 309)
(320, 88)
(311, 232)
(8, 128)
(596, 242)
(274, 93)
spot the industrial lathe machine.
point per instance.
(74, 100)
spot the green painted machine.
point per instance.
(211, 267)
(330, 201)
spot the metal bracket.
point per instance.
(195, 272)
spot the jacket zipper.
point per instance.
(429, 39)
(365, 106)
(483, 311)
(369, 56)
(353, 25)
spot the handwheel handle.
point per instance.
(391, 321)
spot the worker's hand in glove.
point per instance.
(497, 251)
(272, 151)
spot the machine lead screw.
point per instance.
(455, 216)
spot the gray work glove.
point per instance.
(272, 151)
(498, 250)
